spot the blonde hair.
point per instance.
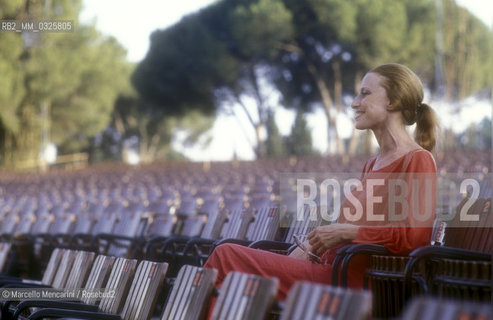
(405, 92)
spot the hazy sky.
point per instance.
(132, 22)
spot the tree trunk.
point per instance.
(336, 67)
(324, 93)
(260, 150)
(353, 142)
(262, 114)
(152, 151)
(328, 105)
(143, 143)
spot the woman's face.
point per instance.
(371, 105)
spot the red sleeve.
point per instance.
(402, 238)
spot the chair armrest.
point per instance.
(272, 245)
(449, 253)
(241, 242)
(346, 253)
(113, 237)
(438, 252)
(62, 313)
(197, 242)
(20, 284)
(169, 242)
(85, 240)
(52, 304)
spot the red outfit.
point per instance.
(400, 237)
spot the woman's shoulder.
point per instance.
(420, 160)
(416, 160)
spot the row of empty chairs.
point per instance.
(136, 287)
(176, 213)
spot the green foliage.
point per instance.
(381, 31)
(58, 86)
(184, 65)
(467, 47)
(299, 143)
(274, 144)
(337, 17)
(253, 40)
(313, 51)
(213, 57)
(155, 130)
(486, 131)
(11, 80)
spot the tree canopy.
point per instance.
(57, 87)
(311, 51)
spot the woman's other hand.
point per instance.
(325, 237)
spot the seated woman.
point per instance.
(390, 99)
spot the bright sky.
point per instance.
(132, 22)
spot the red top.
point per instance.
(394, 205)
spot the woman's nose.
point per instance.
(355, 102)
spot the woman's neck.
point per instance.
(394, 142)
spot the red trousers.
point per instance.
(231, 257)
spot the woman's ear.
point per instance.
(390, 107)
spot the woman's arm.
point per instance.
(325, 237)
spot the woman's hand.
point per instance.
(298, 253)
(325, 237)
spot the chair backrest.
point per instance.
(265, 224)
(84, 223)
(301, 226)
(210, 205)
(128, 224)
(62, 223)
(64, 268)
(238, 222)
(52, 266)
(188, 206)
(191, 291)
(4, 254)
(233, 202)
(214, 224)
(473, 235)
(144, 291)
(245, 296)
(193, 225)
(119, 281)
(308, 300)
(25, 224)
(42, 223)
(260, 200)
(105, 223)
(98, 276)
(80, 269)
(426, 308)
(160, 206)
(161, 225)
(95, 208)
(9, 223)
(58, 209)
